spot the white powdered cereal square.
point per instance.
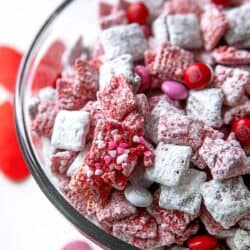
(170, 163)
(242, 239)
(227, 201)
(124, 39)
(186, 196)
(206, 105)
(184, 31)
(70, 130)
(160, 29)
(120, 65)
(239, 25)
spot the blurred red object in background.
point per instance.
(9, 64)
(11, 160)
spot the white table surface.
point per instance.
(27, 219)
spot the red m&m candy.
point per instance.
(137, 13)
(224, 3)
(197, 76)
(12, 163)
(241, 128)
(202, 242)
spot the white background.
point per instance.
(27, 220)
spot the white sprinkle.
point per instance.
(112, 153)
(136, 139)
(122, 158)
(89, 173)
(98, 172)
(100, 144)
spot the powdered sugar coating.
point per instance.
(184, 31)
(245, 223)
(160, 29)
(124, 39)
(232, 82)
(170, 164)
(185, 196)
(239, 24)
(206, 105)
(242, 239)
(70, 130)
(228, 201)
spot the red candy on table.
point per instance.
(241, 128)
(202, 242)
(137, 13)
(9, 64)
(12, 163)
(197, 76)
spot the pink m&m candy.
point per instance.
(77, 245)
(142, 71)
(174, 90)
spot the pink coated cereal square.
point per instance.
(213, 26)
(104, 8)
(170, 62)
(60, 162)
(86, 80)
(44, 121)
(192, 229)
(231, 56)
(141, 225)
(117, 99)
(117, 208)
(134, 121)
(228, 201)
(225, 159)
(117, 18)
(239, 111)
(142, 105)
(172, 220)
(233, 83)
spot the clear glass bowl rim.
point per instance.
(94, 233)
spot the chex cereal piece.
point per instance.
(143, 105)
(164, 238)
(225, 159)
(120, 5)
(117, 99)
(239, 24)
(152, 121)
(245, 223)
(95, 111)
(122, 65)
(190, 230)
(134, 121)
(44, 121)
(47, 94)
(117, 18)
(60, 162)
(186, 195)
(104, 8)
(70, 130)
(66, 99)
(141, 225)
(184, 31)
(154, 6)
(124, 39)
(231, 56)
(242, 239)
(183, 7)
(87, 79)
(230, 243)
(227, 201)
(243, 44)
(170, 164)
(233, 82)
(240, 111)
(213, 227)
(206, 105)
(171, 220)
(114, 153)
(170, 62)
(213, 26)
(117, 208)
(180, 130)
(160, 29)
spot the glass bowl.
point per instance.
(71, 19)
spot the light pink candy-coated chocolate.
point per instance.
(77, 245)
(143, 72)
(174, 90)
